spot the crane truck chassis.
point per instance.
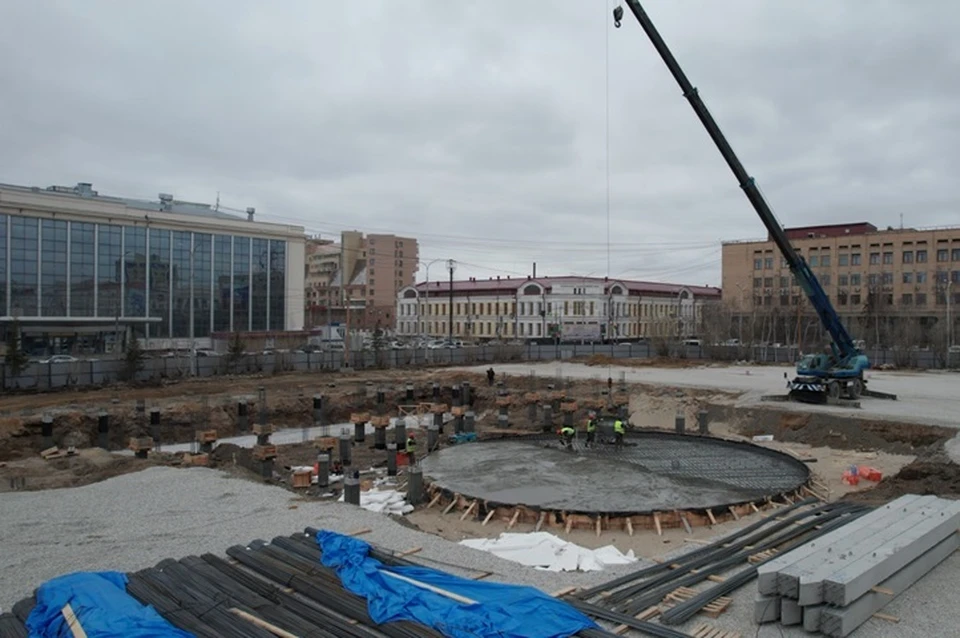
(831, 377)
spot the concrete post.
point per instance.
(47, 430)
(568, 419)
(351, 490)
(380, 438)
(409, 396)
(141, 406)
(380, 401)
(467, 395)
(503, 419)
(323, 470)
(458, 424)
(457, 397)
(470, 422)
(391, 459)
(532, 412)
(400, 433)
(369, 389)
(703, 420)
(433, 437)
(359, 432)
(155, 424)
(262, 401)
(266, 468)
(680, 423)
(438, 422)
(243, 422)
(318, 409)
(103, 430)
(435, 392)
(414, 485)
(345, 449)
(547, 416)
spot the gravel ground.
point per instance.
(136, 520)
(923, 397)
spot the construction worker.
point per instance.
(591, 429)
(411, 449)
(491, 375)
(618, 431)
(566, 436)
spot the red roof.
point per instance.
(829, 230)
(511, 285)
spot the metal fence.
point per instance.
(91, 373)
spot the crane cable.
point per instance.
(606, 31)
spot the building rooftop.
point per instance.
(164, 203)
(510, 286)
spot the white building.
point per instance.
(573, 308)
(81, 269)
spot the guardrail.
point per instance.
(92, 373)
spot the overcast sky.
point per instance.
(480, 127)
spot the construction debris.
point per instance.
(546, 551)
(837, 582)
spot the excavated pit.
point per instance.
(655, 472)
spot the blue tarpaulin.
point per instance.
(102, 606)
(498, 611)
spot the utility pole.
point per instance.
(451, 266)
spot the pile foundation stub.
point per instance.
(264, 452)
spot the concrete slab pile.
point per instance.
(835, 583)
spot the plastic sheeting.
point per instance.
(546, 551)
(495, 611)
(102, 606)
(384, 501)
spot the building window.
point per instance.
(908, 277)
(873, 279)
(784, 282)
(159, 302)
(855, 279)
(955, 277)
(814, 260)
(768, 263)
(906, 299)
(53, 268)
(874, 259)
(223, 298)
(908, 256)
(109, 249)
(82, 269)
(955, 254)
(825, 260)
(921, 258)
(180, 326)
(887, 279)
(202, 267)
(855, 300)
(757, 282)
(887, 258)
(3, 265)
(921, 277)
(135, 274)
(843, 260)
(241, 284)
(768, 282)
(842, 298)
(921, 299)
(943, 254)
(855, 259)
(757, 264)
(278, 270)
(843, 280)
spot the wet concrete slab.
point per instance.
(651, 474)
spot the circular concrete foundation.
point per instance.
(702, 477)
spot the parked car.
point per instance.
(60, 358)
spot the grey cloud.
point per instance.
(486, 121)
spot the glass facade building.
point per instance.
(159, 282)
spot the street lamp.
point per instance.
(426, 293)
(451, 266)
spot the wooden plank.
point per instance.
(563, 592)
(468, 510)
(73, 623)
(713, 520)
(452, 504)
(696, 541)
(883, 590)
(629, 526)
(427, 586)
(656, 523)
(754, 507)
(686, 523)
(543, 517)
(599, 529)
(436, 499)
(409, 552)
(263, 624)
(513, 521)
(887, 617)
(488, 517)
(481, 575)
(736, 516)
(360, 532)
(646, 614)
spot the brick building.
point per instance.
(362, 273)
(883, 282)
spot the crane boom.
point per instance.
(843, 346)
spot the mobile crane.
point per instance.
(821, 378)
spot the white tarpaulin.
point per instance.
(383, 502)
(546, 551)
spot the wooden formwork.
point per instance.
(513, 515)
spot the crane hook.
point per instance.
(617, 16)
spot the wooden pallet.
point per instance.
(704, 630)
(712, 609)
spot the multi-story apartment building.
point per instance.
(876, 279)
(568, 308)
(359, 277)
(83, 270)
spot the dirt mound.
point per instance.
(86, 467)
(937, 478)
(828, 430)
